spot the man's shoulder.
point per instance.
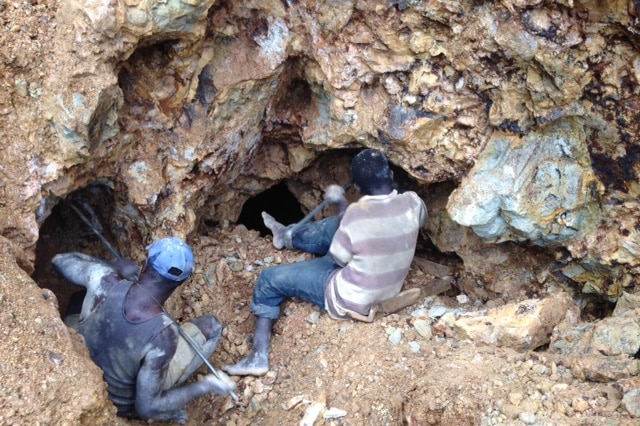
(413, 196)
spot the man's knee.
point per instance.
(267, 287)
(271, 278)
(209, 326)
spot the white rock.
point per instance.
(334, 413)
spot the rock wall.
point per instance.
(173, 105)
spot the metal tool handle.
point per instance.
(95, 231)
(318, 209)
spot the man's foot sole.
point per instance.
(245, 371)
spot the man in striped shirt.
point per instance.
(366, 252)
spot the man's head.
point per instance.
(171, 257)
(371, 173)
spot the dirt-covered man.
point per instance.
(366, 252)
(144, 359)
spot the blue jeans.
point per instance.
(315, 237)
(305, 280)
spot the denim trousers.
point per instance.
(306, 279)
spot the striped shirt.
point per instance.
(374, 245)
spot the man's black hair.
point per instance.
(370, 170)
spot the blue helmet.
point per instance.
(171, 257)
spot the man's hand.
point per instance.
(222, 385)
(335, 194)
(128, 269)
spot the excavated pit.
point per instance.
(66, 231)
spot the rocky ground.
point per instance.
(386, 373)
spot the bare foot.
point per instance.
(256, 364)
(278, 230)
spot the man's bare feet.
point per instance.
(279, 231)
(256, 364)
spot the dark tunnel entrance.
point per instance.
(283, 205)
(278, 201)
(64, 231)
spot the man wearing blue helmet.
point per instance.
(144, 359)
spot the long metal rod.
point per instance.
(182, 333)
(93, 228)
(313, 213)
(318, 209)
(195, 347)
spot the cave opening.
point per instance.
(283, 201)
(65, 231)
(278, 201)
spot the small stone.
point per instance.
(579, 405)
(419, 313)
(631, 402)
(396, 336)
(559, 387)
(437, 311)
(423, 328)
(137, 17)
(313, 317)
(236, 266)
(334, 413)
(539, 369)
(22, 87)
(515, 398)
(527, 418)
(510, 411)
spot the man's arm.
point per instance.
(341, 248)
(152, 402)
(127, 269)
(81, 269)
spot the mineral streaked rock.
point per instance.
(54, 363)
(618, 335)
(538, 189)
(606, 260)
